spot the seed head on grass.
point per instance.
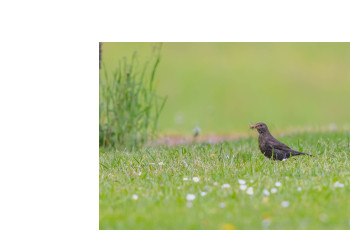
(196, 131)
(213, 155)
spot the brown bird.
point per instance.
(271, 147)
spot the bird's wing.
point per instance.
(275, 144)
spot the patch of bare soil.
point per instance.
(211, 139)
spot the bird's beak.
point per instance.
(252, 126)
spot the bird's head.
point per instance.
(260, 127)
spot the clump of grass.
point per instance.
(129, 106)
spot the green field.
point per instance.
(223, 86)
(162, 192)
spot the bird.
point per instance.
(271, 147)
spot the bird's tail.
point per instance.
(301, 153)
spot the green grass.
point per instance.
(222, 86)
(129, 106)
(162, 191)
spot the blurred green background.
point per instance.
(221, 87)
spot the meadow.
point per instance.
(300, 90)
(228, 185)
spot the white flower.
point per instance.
(285, 204)
(266, 222)
(278, 184)
(215, 183)
(250, 191)
(203, 194)
(134, 197)
(185, 178)
(222, 204)
(243, 187)
(140, 173)
(226, 186)
(190, 197)
(195, 179)
(266, 192)
(251, 181)
(241, 181)
(273, 190)
(160, 163)
(189, 204)
(299, 189)
(338, 185)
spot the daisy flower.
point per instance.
(243, 187)
(195, 179)
(160, 163)
(250, 191)
(278, 184)
(273, 190)
(285, 204)
(241, 181)
(266, 192)
(139, 173)
(190, 197)
(299, 189)
(203, 194)
(134, 197)
(226, 186)
(338, 185)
